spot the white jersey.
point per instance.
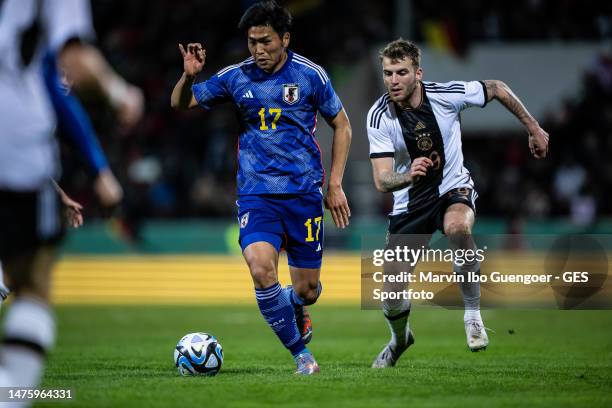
(431, 130)
(28, 150)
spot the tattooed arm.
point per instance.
(538, 138)
(386, 180)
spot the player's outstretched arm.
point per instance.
(72, 118)
(85, 66)
(194, 59)
(538, 138)
(386, 180)
(335, 199)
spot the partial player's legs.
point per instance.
(266, 224)
(262, 259)
(29, 325)
(274, 302)
(304, 230)
(397, 311)
(458, 223)
(4, 290)
(305, 290)
(30, 228)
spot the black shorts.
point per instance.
(29, 220)
(428, 219)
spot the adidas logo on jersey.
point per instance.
(419, 126)
(248, 95)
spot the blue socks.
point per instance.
(296, 300)
(276, 307)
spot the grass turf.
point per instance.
(122, 356)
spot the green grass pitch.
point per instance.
(114, 356)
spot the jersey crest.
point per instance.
(244, 220)
(291, 93)
(277, 150)
(433, 130)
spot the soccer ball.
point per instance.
(198, 354)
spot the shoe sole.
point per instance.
(477, 349)
(317, 370)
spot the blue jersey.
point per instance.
(277, 151)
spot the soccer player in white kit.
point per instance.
(415, 149)
(33, 33)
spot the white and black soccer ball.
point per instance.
(198, 354)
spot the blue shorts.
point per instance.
(293, 222)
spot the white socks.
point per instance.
(29, 331)
(470, 291)
(396, 315)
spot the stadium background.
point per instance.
(173, 241)
(178, 169)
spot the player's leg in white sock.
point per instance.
(459, 229)
(396, 314)
(29, 325)
(29, 331)
(458, 222)
(396, 311)
(470, 291)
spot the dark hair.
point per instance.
(266, 13)
(399, 49)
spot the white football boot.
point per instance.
(476, 334)
(388, 356)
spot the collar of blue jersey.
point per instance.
(257, 74)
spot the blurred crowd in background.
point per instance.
(574, 180)
(179, 165)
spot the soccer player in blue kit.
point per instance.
(280, 173)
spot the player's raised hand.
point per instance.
(194, 58)
(335, 201)
(538, 141)
(419, 167)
